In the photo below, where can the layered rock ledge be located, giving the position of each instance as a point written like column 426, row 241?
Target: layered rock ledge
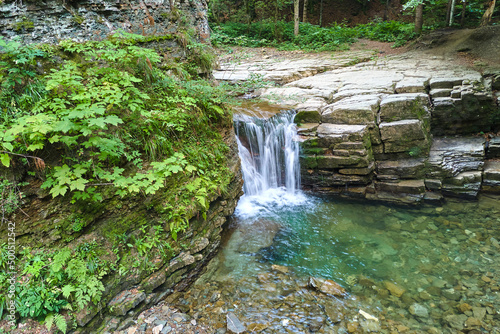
column 405, row 129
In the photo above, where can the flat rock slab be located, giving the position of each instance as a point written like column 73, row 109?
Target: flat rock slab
column 126, row 301
column 451, row 156
column 360, row 109
column 405, row 130
column 286, row 70
column 402, row 187
column 405, row 169
column 374, row 79
column 406, row 136
column 346, row 92
column 412, row 85
column 326, row 129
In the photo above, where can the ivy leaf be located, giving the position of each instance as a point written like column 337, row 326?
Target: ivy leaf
column 5, row 159
column 58, row 190
column 99, row 122
column 78, row 184
column 64, row 126
column 8, row 146
column 114, row 120
column 34, row 147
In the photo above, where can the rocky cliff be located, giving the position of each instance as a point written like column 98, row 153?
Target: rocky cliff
column 127, row 243
column 39, row 21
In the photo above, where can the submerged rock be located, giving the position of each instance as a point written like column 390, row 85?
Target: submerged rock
column 419, row 310
column 394, row 289
column 234, row 324
column 327, row 286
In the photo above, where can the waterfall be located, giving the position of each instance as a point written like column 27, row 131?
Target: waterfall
column 268, row 152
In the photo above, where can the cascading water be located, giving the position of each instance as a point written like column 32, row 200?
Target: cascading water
column 268, row 153
column 269, row 157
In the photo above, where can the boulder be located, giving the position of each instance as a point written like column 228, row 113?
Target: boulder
column 307, row 116
column 456, row 321
column 394, row 289
column 419, row 310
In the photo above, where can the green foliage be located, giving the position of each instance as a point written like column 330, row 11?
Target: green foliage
column 10, row 197
column 311, row 37
column 58, row 320
column 117, row 120
column 52, row 281
column 20, row 87
column 114, row 122
column 387, row 31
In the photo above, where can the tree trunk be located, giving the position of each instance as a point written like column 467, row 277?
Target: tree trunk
column 321, row 13
column 386, row 10
column 172, row 4
column 462, row 18
column 304, row 12
column 488, row 13
column 296, row 9
column 452, row 12
column 448, row 11
column 419, row 18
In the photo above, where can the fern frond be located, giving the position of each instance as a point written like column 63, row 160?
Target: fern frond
column 49, row 320
column 60, row 323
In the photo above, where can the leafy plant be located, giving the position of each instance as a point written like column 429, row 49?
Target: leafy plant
column 53, row 281
column 58, row 320
column 311, row 37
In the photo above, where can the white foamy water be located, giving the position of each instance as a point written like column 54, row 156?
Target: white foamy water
column 269, row 156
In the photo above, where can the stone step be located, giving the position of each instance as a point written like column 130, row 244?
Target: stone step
column 405, row 169
column 451, row 156
column 359, row 109
column 493, row 148
column 491, row 176
column 464, row 185
column 399, row 107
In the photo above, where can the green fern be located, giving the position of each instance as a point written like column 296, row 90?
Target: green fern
column 58, row 320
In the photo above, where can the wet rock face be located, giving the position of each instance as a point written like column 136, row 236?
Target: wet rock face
column 50, row 21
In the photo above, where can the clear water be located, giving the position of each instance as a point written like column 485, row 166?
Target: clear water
column 416, row 269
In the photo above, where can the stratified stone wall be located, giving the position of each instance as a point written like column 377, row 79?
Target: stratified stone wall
column 404, row 129
column 398, row 138
column 49, row 21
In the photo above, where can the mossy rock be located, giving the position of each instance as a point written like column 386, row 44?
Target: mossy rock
column 307, row 116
